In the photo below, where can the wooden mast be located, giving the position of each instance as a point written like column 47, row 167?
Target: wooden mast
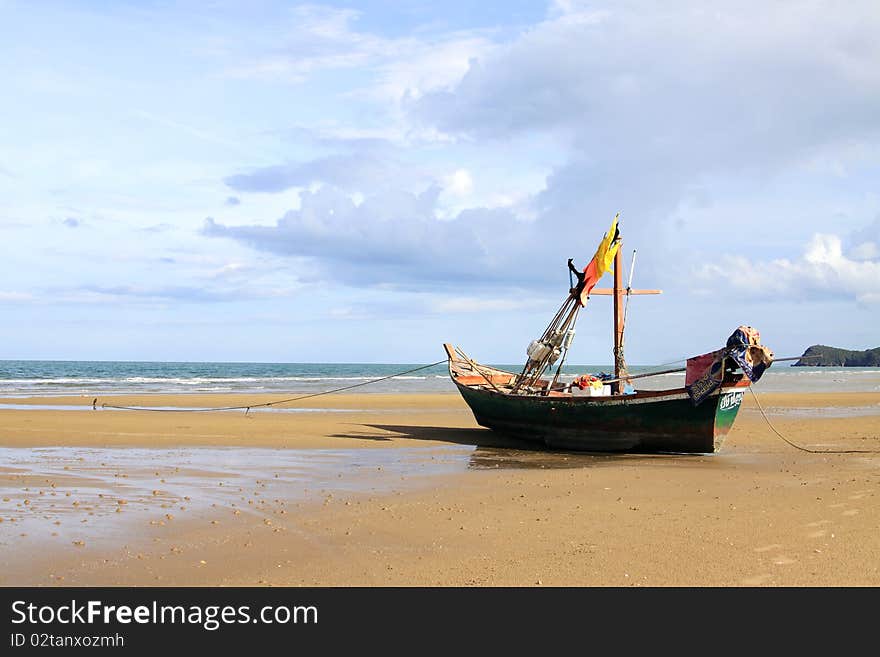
column 619, row 367
column 565, row 318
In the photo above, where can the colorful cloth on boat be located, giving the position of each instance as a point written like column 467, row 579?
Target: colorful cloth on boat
column 703, row 375
column 588, row 381
column 745, row 348
column 601, row 261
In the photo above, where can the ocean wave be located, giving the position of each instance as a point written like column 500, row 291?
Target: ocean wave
column 29, row 378
column 199, row 380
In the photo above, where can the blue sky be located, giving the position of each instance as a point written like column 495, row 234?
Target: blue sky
column 364, row 181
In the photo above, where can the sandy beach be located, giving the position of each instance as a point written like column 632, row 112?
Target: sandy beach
column 405, row 489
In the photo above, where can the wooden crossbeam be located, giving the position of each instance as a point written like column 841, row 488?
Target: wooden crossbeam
column 607, row 291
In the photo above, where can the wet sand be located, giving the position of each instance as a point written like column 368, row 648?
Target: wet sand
column 407, row 490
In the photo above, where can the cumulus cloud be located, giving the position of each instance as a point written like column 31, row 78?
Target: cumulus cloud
column 395, row 238
column 865, row 251
column 459, row 183
column 822, row 272
column 717, row 83
column 648, row 100
column 643, row 104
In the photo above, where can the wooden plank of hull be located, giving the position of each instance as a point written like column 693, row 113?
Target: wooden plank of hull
column 479, row 379
column 659, row 422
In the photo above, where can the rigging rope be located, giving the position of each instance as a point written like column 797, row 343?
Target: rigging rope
column 247, row 408
column 807, row 449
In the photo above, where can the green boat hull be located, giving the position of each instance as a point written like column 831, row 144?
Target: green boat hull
column 647, row 422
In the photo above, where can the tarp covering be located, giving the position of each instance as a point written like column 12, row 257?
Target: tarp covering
column 704, row 373
column 745, row 348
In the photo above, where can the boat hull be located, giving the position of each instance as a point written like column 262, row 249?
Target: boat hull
column 649, row 422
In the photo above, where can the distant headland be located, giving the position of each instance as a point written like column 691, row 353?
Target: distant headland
column 820, row 355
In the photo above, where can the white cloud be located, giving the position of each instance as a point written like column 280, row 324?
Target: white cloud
column 459, row 183
column 680, row 85
column 628, row 108
column 822, row 272
column 865, row 251
column 398, row 239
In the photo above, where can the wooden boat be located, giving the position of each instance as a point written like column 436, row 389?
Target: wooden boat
column 536, row 408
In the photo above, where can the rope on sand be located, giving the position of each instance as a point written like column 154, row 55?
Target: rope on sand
column 247, row 408
column 807, row 449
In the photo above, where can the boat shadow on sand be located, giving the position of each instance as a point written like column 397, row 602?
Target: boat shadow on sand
column 496, row 451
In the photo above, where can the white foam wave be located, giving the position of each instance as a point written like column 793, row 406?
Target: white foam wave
column 197, row 380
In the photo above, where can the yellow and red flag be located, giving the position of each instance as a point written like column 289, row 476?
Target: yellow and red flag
column 601, row 262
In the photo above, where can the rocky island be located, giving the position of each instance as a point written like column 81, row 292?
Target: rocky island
column 820, row 355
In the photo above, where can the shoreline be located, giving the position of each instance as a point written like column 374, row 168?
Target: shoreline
column 350, row 420
column 406, row 489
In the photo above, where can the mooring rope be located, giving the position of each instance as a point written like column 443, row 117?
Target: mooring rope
column 807, row 449
column 248, row 407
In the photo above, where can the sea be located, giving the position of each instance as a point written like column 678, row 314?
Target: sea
column 25, row 378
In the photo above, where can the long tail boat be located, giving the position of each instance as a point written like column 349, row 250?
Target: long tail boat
column 614, row 416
